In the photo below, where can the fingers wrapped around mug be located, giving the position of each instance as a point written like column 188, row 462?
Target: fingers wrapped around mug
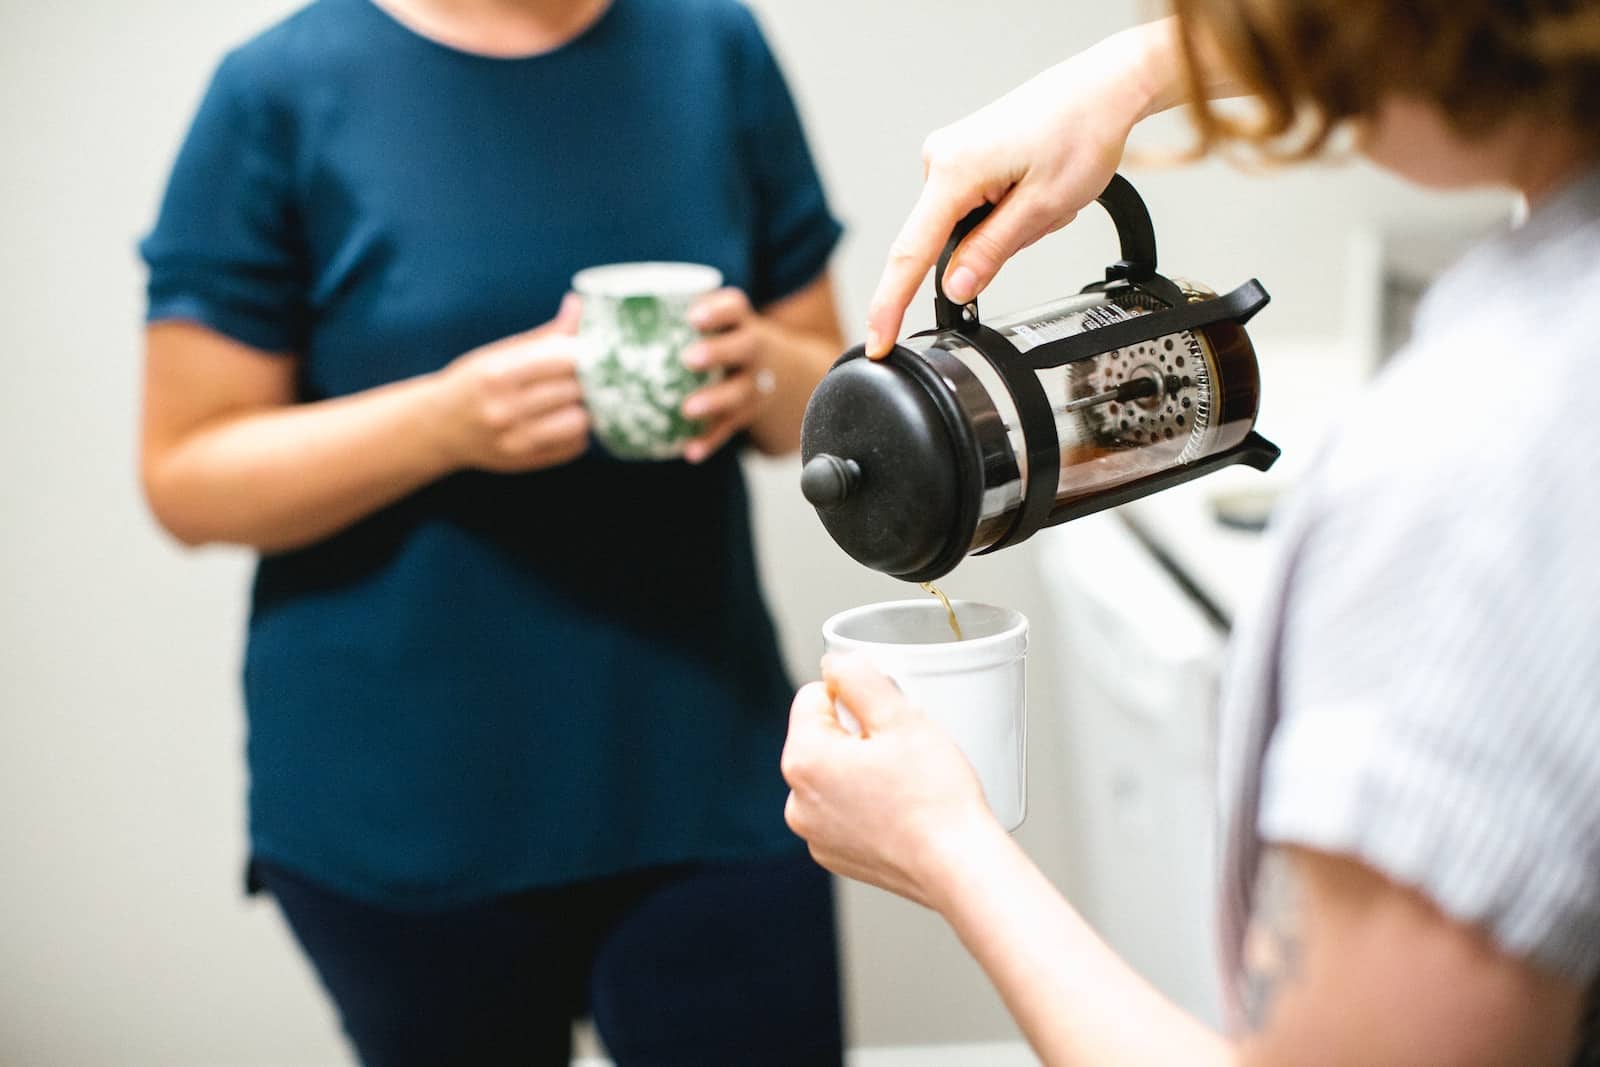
column 734, row 342
column 888, row 804
column 515, row 404
column 717, row 312
column 725, row 407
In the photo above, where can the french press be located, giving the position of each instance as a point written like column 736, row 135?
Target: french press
column 974, row 435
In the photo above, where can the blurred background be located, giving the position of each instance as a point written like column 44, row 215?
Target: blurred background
column 124, row 936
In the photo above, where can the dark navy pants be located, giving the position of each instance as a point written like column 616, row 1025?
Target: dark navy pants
column 704, row 965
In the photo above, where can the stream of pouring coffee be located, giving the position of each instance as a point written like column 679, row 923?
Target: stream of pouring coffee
column 955, row 626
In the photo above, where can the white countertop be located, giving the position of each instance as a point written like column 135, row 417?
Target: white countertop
column 994, row 1054
column 1304, row 388
column 999, row 1054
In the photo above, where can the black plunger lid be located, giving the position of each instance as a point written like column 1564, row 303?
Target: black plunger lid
column 891, row 466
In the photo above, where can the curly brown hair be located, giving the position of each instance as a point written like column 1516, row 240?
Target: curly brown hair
column 1316, row 66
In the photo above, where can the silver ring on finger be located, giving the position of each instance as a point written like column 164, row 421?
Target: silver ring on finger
column 766, row 381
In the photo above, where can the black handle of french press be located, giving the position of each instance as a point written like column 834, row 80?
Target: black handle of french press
column 947, row 314
column 1135, row 232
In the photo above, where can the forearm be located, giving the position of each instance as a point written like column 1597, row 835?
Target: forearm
column 284, row 477
column 1076, row 1001
column 1152, row 54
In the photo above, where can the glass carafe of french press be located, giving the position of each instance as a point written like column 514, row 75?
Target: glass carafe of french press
column 976, row 434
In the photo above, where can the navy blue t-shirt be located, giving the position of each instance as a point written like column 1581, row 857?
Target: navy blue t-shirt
column 502, row 681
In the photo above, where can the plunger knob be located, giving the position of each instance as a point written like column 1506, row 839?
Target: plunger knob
column 827, row 481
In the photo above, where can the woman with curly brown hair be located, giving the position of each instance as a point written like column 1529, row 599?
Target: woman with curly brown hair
column 1411, row 723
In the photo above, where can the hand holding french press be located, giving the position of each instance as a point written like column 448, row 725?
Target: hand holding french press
column 1040, row 154
column 978, row 433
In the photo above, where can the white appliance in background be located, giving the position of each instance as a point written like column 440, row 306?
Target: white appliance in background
column 1138, row 666
column 1144, row 597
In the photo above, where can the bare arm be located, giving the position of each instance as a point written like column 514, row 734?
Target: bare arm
column 1075, row 999
column 806, row 341
column 1347, row 963
column 1161, row 68
column 1347, row 968
column 227, row 455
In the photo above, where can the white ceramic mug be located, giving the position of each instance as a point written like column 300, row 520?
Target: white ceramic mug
column 976, row 689
column 632, row 334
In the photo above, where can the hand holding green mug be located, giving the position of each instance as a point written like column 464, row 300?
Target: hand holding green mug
column 633, row 333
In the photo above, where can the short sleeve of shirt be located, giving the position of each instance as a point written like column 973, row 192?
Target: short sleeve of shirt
column 1440, row 684
column 225, row 251
column 795, row 232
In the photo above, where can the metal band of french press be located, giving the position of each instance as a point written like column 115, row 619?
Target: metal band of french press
column 1039, row 439
column 968, row 473
column 1038, row 421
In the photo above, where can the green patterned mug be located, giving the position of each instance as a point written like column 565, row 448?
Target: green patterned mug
column 632, row 335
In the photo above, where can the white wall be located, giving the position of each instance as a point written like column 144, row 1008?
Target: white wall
column 124, row 939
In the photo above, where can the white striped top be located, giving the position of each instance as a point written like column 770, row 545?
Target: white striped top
column 1420, row 687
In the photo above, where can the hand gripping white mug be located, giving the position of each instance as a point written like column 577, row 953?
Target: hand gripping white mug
column 976, row 688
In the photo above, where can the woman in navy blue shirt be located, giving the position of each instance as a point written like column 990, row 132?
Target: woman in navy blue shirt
column 515, row 707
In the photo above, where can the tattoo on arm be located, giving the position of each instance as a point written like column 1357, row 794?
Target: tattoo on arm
column 1273, row 948
column 1588, row 1054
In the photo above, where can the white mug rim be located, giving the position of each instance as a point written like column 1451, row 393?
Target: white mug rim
column 1016, row 627
column 665, row 278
